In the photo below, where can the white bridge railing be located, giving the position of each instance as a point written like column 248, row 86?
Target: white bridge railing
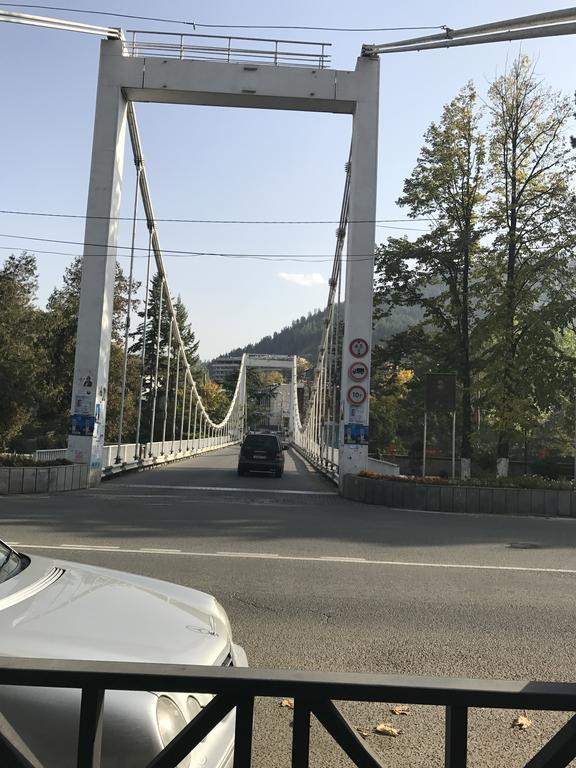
column 132, row 456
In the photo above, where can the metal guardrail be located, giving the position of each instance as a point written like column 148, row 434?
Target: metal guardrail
column 50, row 454
column 160, row 452
column 322, row 463
column 132, row 455
column 313, row 693
column 173, row 45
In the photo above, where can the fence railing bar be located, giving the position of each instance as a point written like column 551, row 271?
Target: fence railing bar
column 90, row 728
column 196, row 730
column 301, row 735
column 456, row 737
column 243, row 733
column 14, row 752
column 339, row 728
column 559, row 751
column 313, row 685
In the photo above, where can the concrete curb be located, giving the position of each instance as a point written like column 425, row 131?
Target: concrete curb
column 18, row 480
column 459, row 498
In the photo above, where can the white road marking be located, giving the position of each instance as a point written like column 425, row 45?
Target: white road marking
column 304, row 558
column 89, row 547
column 265, row 555
column 159, row 551
column 216, row 488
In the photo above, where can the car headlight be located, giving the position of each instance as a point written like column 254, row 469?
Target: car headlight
column 193, row 707
column 170, row 722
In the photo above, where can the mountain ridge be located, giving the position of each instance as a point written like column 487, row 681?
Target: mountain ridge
column 302, row 336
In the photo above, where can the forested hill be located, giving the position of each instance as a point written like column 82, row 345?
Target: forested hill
column 302, row 337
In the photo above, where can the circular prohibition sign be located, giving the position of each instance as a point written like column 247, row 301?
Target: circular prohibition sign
column 358, row 347
column 357, row 395
column 358, row 371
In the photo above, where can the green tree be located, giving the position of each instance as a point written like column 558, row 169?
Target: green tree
column 161, row 345
column 21, row 356
column 58, row 339
column 528, row 274
column 215, row 398
column 435, row 272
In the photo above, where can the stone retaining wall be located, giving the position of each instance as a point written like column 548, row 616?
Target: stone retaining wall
column 69, row 477
column 455, row 498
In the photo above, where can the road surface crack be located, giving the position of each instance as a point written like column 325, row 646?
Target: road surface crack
column 253, row 604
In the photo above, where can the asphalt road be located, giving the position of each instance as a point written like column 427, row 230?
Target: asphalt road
column 337, row 586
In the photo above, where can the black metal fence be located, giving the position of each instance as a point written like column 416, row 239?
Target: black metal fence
column 313, row 694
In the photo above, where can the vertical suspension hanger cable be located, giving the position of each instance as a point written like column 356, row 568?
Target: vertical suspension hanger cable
column 322, row 406
column 143, row 355
column 167, row 385
column 128, row 313
column 183, row 409
column 337, row 383
column 206, row 426
column 189, row 419
column 158, row 344
column 175, row 400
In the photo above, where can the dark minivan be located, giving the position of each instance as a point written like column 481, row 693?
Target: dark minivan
column 261, row 453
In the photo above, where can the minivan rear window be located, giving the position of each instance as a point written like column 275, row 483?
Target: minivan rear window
column 262, row 442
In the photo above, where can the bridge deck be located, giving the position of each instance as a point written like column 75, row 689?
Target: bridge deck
column 218, row 469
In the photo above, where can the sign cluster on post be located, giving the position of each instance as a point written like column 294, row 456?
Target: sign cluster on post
column 356, row 427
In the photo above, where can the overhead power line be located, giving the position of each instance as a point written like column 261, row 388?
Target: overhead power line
column 201, row 25
column 318, row 257
column 378, row 222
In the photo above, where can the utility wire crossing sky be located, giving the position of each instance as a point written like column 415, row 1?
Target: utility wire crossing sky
column 252, row 187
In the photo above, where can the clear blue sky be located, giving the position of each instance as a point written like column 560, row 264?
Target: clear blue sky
column 208, row 163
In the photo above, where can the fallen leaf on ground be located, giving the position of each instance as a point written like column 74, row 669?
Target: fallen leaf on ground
column 287, row 703
column 400, row 709
column 522, row 722
column 385, row 729
column 363, row 732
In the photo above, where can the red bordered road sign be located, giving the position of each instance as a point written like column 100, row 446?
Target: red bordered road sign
column 357, row 395
column 358, row 371
column 358, row 347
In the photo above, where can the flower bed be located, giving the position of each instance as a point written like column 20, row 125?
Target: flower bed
column 525, row 481
column 440, row 495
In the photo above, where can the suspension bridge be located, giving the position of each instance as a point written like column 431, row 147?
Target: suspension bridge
column 138, row 66
column 331, row 427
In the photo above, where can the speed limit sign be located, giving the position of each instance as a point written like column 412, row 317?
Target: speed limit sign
column 357, row 394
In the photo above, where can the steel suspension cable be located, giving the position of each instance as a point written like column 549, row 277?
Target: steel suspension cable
column 149, row 214
column 128, row 312
column 158, row 343
column 167, row 385
column 314, row 431
column 175, row 401
column 143, row 356
column 189, row 419
column 194, row 438
column 183, row 409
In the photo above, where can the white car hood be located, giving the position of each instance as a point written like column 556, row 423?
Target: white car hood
column 93, row 613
